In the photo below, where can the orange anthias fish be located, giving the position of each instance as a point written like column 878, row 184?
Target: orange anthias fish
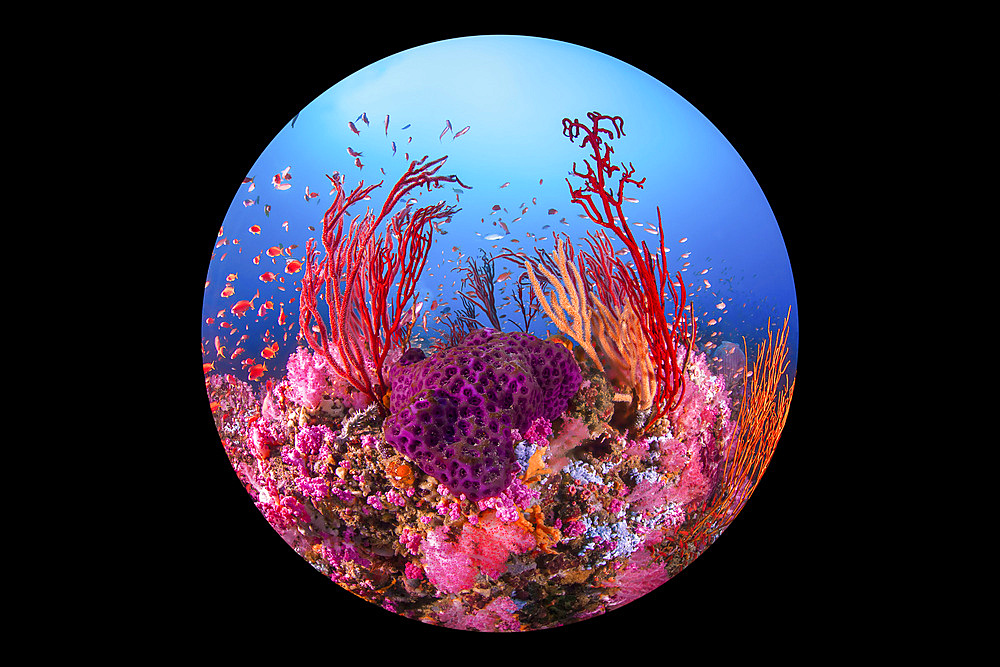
column 228, row 291
column 278, row 183
column 219, row 348
column 268, row 277
column 241, row 307
column 562, row 340
column 255, row 229
column 270, row 351
column 208, row 367
column 293, row 266
column 256, row 371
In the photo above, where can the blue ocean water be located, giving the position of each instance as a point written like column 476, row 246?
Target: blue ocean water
column 512, row 94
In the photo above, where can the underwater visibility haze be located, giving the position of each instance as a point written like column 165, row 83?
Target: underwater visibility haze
column 499, row 333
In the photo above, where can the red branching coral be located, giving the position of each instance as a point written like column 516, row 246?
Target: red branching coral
column 648, row 284
column 360, row 271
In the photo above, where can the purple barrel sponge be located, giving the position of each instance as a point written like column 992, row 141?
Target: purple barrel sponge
column 452, row 413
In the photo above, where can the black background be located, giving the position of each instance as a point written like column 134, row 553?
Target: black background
column 206, row 566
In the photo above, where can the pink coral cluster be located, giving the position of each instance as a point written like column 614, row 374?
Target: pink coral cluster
column 573, row 432
column 260, row 440
column 705, row 400
column 539, row 431
column 308, row 377
column 411, row 540
column 497, row 616
column 310, row 443
column 511, row 501
column 452, row 566
column 310, row 381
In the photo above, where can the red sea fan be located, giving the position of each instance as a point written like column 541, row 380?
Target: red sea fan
column 368, row 279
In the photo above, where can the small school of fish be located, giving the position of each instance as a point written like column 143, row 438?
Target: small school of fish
column 284, row 264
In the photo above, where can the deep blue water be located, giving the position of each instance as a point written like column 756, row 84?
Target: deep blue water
column 512, row 93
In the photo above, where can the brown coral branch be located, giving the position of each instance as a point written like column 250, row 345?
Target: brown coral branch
column 620, row 337
column 571, row 298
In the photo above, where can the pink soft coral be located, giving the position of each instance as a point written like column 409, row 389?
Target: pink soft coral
column 445, row 564
column 539, row 431
column 308, row 377
column 485, row 547
column 694, row 484
column 640, row 576
column 497, row 616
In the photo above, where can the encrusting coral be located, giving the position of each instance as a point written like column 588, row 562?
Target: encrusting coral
column 452, row 413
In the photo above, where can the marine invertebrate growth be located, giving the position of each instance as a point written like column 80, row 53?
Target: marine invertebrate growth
column 366, row 279
column 762, row 416
column 649, row 283
column 526, row 300
column 763, row 412
column 452, row 413
column 481, row 288
column 570, row 289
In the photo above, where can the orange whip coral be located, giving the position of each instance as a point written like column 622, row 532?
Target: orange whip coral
column 763, row 411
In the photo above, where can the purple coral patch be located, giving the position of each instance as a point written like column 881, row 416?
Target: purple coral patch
column 452, row 413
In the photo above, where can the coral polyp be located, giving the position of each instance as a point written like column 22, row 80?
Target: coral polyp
column 550, row 427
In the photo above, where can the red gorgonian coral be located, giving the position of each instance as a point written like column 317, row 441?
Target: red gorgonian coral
column 646, row 284
column 359, row 271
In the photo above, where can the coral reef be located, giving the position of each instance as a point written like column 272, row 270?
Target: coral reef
column 589, row 518
column 503, row 482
